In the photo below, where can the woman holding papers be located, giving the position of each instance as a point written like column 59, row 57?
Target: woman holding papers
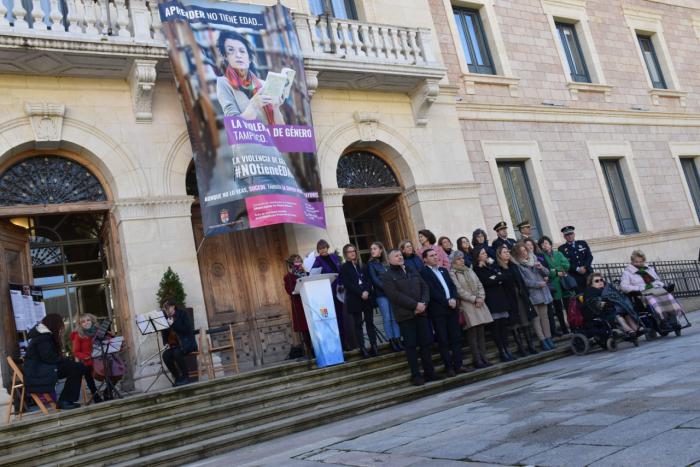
column 239, row 90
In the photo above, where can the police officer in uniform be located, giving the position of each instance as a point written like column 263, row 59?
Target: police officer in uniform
column 525, row 229
column 502, row 231
column 579, row 256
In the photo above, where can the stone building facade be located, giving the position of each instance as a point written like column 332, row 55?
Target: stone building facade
column 393, row 92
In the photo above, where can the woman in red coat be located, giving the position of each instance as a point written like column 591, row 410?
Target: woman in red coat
column 81, row 348
column 296, row 271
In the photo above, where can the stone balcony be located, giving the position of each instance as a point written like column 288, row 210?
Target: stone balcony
column 123, row 39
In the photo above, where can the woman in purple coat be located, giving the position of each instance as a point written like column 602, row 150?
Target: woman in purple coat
column 330, row 264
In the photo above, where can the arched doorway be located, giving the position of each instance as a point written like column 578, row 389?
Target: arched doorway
column 56, row 233
column 242, row 281
column 373, row 203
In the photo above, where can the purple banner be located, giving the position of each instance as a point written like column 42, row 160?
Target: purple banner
column 247, row 108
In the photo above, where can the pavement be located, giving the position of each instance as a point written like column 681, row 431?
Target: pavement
column 634, row 407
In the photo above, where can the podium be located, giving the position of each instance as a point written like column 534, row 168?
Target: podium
column 319, row 310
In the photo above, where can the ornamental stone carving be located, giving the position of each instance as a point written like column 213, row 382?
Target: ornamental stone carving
column 47, row 123
column 311, row 81
column 422, row 98
column 142, row 79
column 367, row 125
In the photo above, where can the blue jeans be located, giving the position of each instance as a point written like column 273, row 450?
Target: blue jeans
column 391, row 329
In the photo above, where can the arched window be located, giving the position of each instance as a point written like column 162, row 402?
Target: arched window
column 362, row 169
column 49, row 180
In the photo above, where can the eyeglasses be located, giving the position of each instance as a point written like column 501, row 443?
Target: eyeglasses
column 598, row 281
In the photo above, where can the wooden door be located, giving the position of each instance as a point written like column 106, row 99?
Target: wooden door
column 242, row 279
column 15, row 267
column 394, row 224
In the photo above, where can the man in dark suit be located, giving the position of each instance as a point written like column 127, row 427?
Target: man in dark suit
column 579, row 255
column 501, row 230
column 408, row 295
column 443, row 311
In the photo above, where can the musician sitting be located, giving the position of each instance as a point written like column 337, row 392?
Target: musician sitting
column 45, row 364
column 81, row 340
column 180, row 341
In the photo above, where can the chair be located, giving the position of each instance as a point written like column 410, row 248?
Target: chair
column 200, row 365
column 18, row 386
column 226, row 333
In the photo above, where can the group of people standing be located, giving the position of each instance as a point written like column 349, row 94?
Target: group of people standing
column 433, row 292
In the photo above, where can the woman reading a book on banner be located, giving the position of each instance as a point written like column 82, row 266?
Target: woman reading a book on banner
column 239, row 90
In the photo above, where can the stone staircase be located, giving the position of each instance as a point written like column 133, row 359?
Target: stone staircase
column 179, row 425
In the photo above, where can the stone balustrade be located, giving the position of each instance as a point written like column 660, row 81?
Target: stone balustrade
column 117, row 20
column 324, row 36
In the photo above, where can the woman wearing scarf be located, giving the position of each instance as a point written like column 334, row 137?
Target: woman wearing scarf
column 330, row 264
column 238, row 90
column 296, row 271
column 81, row 348
column 535, row 277
column 640, row 278
column 472, row 304
column 604, row 301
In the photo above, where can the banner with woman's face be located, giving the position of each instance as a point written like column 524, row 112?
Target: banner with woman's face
column 240, row 74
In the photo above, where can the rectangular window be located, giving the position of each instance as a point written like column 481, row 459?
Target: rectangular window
column 521, row 203
column 473, row 39
column 341, row 9
column 619, row 196
column 568, row 41
column 690, row 170
column 652, row 62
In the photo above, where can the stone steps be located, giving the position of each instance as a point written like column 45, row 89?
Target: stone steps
column 266, row 403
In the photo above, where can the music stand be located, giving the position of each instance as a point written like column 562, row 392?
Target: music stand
column 152, row 323
column 105, row 348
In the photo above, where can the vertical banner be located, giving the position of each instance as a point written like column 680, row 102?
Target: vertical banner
column 240, row 74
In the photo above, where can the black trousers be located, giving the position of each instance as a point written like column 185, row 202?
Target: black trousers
column 560, row 307
column 174, row 359
column 73, row 373
column 415, row 334
column 89, row 380
column 499, row 331
column 449, row 340
column 368, row 317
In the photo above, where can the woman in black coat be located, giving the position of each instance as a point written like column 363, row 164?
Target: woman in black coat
column 358, row 298
column 496, row 299
column 519, row 298
column 45, row 363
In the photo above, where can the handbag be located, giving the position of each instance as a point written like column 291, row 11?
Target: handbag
column 568, row 282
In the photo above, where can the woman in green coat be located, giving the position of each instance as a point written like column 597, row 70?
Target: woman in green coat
column 558, row 266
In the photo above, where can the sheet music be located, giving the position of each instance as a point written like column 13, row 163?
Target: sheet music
column 152, row 321
column 111, row 345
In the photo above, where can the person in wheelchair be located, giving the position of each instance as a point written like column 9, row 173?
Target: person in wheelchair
column 604, row 301
column 640, row 279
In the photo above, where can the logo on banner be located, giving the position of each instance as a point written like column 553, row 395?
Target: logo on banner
column 324, row 312
column 223, row 216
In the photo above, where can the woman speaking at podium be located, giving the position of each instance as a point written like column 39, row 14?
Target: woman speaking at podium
column 180, row 341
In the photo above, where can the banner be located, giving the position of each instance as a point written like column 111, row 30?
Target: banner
column 240, row 74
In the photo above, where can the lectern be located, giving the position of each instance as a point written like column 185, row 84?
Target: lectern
column 319, row 310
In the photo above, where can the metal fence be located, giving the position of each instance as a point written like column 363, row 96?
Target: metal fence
column 685, row 274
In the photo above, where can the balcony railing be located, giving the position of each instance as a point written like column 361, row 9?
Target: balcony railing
column 358, row 40
column 113, row 20
column 397, row 57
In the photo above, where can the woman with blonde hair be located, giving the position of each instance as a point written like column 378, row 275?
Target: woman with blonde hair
column 81, row 348
column 640, row 278
column 472, row 304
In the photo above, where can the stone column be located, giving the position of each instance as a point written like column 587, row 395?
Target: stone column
column 302, row 239
column 155, row 233
column 451, row 209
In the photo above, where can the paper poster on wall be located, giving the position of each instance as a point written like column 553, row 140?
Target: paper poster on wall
column 27, row 305
column 240, row 75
